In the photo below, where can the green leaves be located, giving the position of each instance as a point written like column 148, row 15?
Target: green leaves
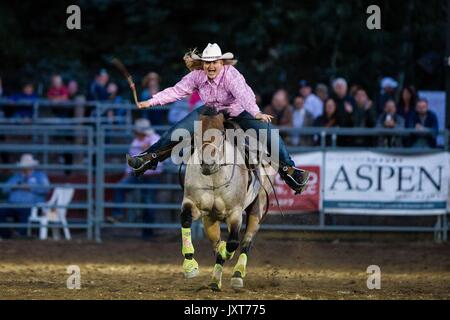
column 276, row 42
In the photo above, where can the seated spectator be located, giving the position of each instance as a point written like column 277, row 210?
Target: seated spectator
column 151, row 85
column 58, row 93
column 301, row 118
column 75, row 96
column 280, row 109
column 115, row 115
column 390, row 119
column 27, row 96
column 97, row 89
column 327, row 120
column 73, row 90
column 422, row 120
column 407, row 103
column 27, row 187
column 312, row 102
column 388, row 89
column 322, row 92
column 353, row 88
column 344, row 102
column 144, row 137
column 362, row 116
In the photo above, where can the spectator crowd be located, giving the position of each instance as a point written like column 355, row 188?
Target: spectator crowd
column 339, row 105
column 336, row 106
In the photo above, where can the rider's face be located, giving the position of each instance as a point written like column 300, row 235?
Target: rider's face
column 213, row 68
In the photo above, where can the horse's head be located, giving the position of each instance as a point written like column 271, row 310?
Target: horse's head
column 212, row 140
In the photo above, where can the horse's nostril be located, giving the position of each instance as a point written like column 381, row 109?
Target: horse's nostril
column 208, row 169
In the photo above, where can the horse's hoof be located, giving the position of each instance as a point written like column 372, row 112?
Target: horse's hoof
column 190, row 268
column 236, row 281
column 191, row 274
column 214, row 286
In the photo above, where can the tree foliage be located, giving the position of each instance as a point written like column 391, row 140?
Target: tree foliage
column 277, row 42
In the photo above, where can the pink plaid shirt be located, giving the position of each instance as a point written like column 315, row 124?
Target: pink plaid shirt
column 228, row 91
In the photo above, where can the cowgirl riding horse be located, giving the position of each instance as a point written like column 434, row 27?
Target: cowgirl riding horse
column 221, row 86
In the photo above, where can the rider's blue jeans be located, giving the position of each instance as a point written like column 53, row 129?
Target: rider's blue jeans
column 245, row 120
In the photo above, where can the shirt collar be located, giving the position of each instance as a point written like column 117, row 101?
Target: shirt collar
column 217, row 79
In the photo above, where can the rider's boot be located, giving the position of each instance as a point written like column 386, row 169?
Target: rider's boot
column 295, row 178
column 143, row 162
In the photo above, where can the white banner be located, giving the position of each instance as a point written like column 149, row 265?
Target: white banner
column 359, row 182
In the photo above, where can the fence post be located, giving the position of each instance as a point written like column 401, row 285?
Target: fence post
column 35, row 111
column 90, row 153
column 99, row 174
column 323, row 143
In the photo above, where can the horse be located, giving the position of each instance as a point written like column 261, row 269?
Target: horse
column 220, row 190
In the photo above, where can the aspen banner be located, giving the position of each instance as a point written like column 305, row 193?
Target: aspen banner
column 374, row 183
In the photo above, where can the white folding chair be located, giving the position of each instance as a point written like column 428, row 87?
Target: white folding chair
column 61, row 197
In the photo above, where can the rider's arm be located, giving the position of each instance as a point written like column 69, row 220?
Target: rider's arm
column 179, row 91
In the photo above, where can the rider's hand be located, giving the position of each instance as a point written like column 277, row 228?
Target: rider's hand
column 144, row 104
column 264, row 117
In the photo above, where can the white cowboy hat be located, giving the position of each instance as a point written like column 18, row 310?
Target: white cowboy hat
column 212, row 52
column 143, row 126
column 27, row 161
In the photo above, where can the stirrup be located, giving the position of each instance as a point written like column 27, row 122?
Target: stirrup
column 298, row 185
column 140, row 164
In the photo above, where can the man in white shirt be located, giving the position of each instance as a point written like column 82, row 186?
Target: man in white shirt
column 313, row 104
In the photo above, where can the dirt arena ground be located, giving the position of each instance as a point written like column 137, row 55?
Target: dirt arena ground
column 279, row 268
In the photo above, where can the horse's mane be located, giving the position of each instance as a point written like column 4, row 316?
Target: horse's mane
column 210, row 111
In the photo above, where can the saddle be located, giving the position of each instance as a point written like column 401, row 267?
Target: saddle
column 230, row 124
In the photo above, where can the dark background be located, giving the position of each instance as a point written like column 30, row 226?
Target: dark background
column 277, row 42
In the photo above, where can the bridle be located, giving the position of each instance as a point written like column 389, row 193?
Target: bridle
column 227, row 183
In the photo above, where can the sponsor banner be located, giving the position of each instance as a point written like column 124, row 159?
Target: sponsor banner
column 373, row 183
column 310, row 199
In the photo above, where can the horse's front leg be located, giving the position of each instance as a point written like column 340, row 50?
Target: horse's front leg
column 240, row 269
column 225, row 250
column 254, row 212
column 212, row 231
column 190, row 266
